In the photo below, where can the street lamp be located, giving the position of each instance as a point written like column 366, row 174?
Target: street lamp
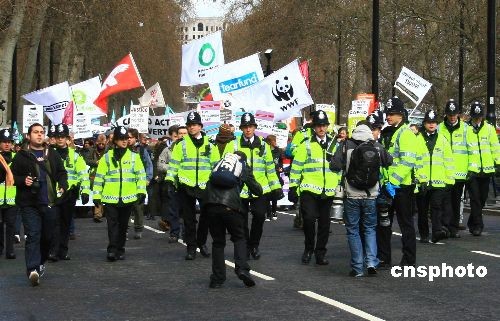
column 268, row 53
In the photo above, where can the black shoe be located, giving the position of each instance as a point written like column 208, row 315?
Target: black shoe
column 111, row 257
column 255, row 253
column 438, row 236
column 190, row 256
column 97, row 219
column 173, row 239
column 246, row 278
column 53, row 258
column 204, row 251
column 322, row 261
column 424, row 239
column 306, row 257
column 446, row 232
column 65, row 257
column 248, row 254
column 476, row 232
column 10, row 256
column 215, row 285
column 355, row 274
column 384, row 265
column 372, row 271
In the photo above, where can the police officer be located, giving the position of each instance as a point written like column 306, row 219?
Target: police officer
column 78, row 179
column 311, row 175
column 260, row 160
column 8, row 208
column 484, row 157
column 120, row 182
column 400, row 142
column 189, row 168
column 455, row 131
column 434, row 175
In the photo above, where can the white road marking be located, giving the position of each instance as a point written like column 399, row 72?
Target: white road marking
column 341, row 306
column 418, row 238
column 286, row 213
column 486, row 253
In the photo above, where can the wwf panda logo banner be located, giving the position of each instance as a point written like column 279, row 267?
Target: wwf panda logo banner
column 282, row 93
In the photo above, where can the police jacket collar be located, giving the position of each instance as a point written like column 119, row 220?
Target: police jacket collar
column 255, row 144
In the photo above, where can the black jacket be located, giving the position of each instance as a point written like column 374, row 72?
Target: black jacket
column 230, row 197
column 23, row 165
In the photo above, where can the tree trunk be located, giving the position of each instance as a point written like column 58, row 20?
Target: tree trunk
column 45, row 58
column 64, row 59
column 7, row 51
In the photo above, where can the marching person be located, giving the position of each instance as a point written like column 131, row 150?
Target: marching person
column 455, row 131
column 39, row 175
column 484, row 158
column 92, row 159
column 78, row 180
column 120, row 183
column 434, row 176
column 8, row 209
column 400, row 142
column 278, row 165
column 225, row 211
column 311, row 175
column 260, row 161
column 189, row 169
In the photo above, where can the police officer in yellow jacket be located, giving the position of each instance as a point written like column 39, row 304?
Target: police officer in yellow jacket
column 455, row 131
column 484, row 157
column 400, row 142
column 435, row 174
column 260, row 161
column 8, row 208
column 189, row 169
column 78, row 180
column 311, row 175
column 120, row 182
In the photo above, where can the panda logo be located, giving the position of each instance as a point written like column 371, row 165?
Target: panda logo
column 283, row 90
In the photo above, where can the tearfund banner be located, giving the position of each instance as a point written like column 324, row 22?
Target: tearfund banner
column 199, row 57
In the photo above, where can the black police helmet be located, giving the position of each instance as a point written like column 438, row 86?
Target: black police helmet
column 476, row 110
column 395, row 106
column 61, row 130
column 451, row 108
column 320, row 118
column 193, row 118
column 247, row 119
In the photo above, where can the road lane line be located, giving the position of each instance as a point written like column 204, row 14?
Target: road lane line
column 285, row 213
column 486, row 253
column 341, row 306
column 257, row 274
column 418, row 238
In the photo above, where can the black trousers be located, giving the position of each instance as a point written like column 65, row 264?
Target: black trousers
column 221, row 218
column 451, row 206
column 402, row 206
column 314, row 208
column 258, row 207
column 60, row 240
column 194, row 237
column 431, row 199
column 8, row 216
column 117, row 218
column 478, row 187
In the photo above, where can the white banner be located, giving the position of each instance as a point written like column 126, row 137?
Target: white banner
column 54, row 100
column 264, row 121
column 139, row 118
column 84, row 94
column 412, row 85
column 199, row 57
column 157, row 125
column 235, row 76
column 82, row 125
column 153, row 97
column 32, row 114
column 281, row 137
column 282, row 93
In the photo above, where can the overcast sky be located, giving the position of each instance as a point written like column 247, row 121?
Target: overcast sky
column 209, row 8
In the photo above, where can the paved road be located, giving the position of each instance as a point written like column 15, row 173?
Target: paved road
column 156, row 283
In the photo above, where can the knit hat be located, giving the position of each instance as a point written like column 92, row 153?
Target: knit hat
column 225, row 131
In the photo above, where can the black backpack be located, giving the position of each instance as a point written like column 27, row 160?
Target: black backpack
column 364, row 166
column 227, row 172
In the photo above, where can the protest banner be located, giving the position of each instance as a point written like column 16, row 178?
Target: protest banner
column 353, row 118
column 412, row 85
column 139, row 118
column 281, row 137
column 32, row 114
column 84, row 93
column 82, row 125
column 264, row 121
column 54, row 100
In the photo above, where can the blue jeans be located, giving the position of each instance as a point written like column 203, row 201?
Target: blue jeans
column 38, row 226
column 364, row 210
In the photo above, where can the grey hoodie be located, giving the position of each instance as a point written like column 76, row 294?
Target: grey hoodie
column 360, row 134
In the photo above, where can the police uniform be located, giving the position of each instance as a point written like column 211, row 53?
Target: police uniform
column 484, row 156
column 189, row 168
column 400, row 142
column 311, row 175
column 78, row 180
column 260, row 160
column 120, row 182
column 8, row 208
column 435, row 174
column 456, row 134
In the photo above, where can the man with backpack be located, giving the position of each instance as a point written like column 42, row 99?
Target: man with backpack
column 311, row 175
column 225, row 210
column 360, row 158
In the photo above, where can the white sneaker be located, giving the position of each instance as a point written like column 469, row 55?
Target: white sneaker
column 18, row 239
column 34, row 278
column 267, row 219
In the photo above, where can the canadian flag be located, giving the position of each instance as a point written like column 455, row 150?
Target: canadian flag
column 123, row 77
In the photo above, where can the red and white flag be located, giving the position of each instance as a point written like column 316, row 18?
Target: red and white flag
column 123, row 77
column 304, row 70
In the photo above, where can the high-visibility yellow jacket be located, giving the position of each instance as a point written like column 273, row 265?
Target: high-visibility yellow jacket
column 483, row 148
column 436, row 168
column 457, row 138
column 77, row 171
column 404, row 153
column 8, row 193
column 122, row 180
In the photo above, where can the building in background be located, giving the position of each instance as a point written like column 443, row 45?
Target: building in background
column 200, row 27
